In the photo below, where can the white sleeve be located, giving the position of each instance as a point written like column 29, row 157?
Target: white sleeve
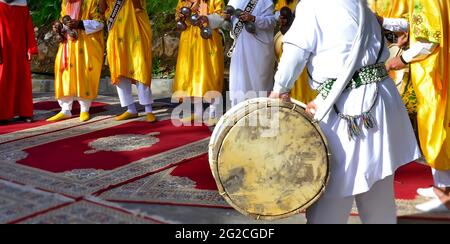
column 277, row 15
column 396, row 25
column 215, row 21
column 92, row 26
column 419, row 51
column 293, row 61
column 266, row 20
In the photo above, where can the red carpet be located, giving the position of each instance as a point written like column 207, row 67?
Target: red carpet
column 197, row 170
column 188, row 184
column 410, row 177
column 70, row 154
column 51, row 106
column 192, row 184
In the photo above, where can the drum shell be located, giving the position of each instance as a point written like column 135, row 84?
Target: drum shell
column 220, row 134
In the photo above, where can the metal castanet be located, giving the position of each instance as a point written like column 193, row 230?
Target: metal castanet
column 62, row 29
column 181, row 23
column 226, row 25
column 269, row 160
column 250, row 27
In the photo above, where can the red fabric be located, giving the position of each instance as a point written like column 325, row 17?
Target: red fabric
column 410, row 177
column 197, row 170
column 68, row 154
column 17, row 41
column 96, row 107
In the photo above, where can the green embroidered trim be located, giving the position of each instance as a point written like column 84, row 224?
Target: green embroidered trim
column 366, row 75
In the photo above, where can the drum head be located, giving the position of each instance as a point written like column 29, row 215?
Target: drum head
column 268, row 159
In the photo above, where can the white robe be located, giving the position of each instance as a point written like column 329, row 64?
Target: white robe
column 253, row 59
column 321, row 38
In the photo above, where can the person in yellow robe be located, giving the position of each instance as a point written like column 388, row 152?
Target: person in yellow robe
column 200, row 63
column 129, row 52
column 429, row 56
column 301, row 90
column 79, row 62
column 394, row 10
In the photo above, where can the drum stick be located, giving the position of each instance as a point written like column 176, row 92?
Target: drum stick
column 296, row 102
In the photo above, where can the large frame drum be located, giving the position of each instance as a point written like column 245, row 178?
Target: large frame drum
column 269, row 160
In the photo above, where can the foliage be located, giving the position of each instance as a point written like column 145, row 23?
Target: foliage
column 44, row 11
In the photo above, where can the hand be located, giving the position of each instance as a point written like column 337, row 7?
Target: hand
column 285, row 97
column 73, row 24
column 57, row 27
column 247, row 17
column 403, row 39
column 395, row 64
column 195, row 8
column 311, row 108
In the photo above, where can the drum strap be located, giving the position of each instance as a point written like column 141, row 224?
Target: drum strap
column 237, row 30
column 115, row 12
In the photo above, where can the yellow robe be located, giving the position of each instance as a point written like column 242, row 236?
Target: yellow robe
column 389, row 8
column 302, row 90
column 430, row 21
column 129, row 44
column 397, row 9
column 200, row 63
column 85, row 59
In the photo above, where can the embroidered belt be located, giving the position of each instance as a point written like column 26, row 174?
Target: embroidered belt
column 365, row 76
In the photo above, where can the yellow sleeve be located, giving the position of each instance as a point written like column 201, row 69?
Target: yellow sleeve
column 218, row 7
column 426, row 21
column 179, row 5
column 280, row 5
column 63, row 9
column 94, row 11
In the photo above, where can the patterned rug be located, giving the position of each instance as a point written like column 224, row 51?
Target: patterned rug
column 86, row 212
column 18, row 201
column 87, row 158
column 45, row 109
column 191, row 184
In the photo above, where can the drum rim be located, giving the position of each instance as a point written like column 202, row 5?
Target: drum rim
column 214, row 151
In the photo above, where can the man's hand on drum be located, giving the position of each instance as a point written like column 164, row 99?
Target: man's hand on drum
column 282, row 96
column 395, row 64
column 311, row 108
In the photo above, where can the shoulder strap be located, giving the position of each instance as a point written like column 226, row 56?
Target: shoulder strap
column 115, row 12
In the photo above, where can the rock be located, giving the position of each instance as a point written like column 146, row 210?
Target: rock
column 171, row 44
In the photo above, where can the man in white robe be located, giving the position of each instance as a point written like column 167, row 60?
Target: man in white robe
column 334, row 39
column 253, row 58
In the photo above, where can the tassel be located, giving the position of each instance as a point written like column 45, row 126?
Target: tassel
column 368, row 120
